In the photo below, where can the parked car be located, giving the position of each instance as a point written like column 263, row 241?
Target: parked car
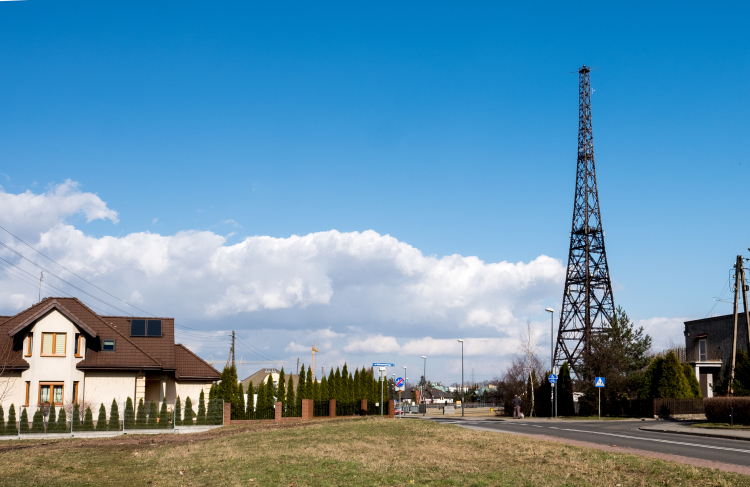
column 398, row 412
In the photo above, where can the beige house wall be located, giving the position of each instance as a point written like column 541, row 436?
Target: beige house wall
column 193, row 390
column 102, row 387
column 13, row 391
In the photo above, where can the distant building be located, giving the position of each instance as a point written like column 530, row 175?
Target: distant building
column 708, row 347
column 262, row 376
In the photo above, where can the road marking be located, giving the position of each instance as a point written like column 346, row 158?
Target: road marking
column 683, row 443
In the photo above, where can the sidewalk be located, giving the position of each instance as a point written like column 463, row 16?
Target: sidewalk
column 683, row 429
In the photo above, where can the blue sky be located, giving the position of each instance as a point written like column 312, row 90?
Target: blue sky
column 450, row 127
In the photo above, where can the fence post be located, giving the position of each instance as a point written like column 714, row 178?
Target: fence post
column 307, row 408
column 390, row 408
column 227, row 414
column 363, row 407
column 332, row 408
column 277, row 412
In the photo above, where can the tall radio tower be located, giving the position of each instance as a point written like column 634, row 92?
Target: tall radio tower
column 587, row 299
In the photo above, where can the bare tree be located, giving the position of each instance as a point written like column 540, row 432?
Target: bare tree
column 529, row 351
column 8, row 377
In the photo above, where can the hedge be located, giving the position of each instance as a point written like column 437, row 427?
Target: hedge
column 717, row 409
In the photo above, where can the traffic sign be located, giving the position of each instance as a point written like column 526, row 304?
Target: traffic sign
column 399, row 382
column 599, row 382
column 552, row 378
column 382, row 365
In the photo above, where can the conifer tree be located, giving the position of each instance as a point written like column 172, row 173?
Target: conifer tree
column 178, row 412
column 673, row 383
column 129, row 414
column 356, row 395
column 37, row 422
column 140, row 419
column 309, row 384
column 270, row 392
column 189, row 414
column 564, row 391
column 11, row 420
column 316, row 390
column 101, row 421
column 323, row 389
column 212, row 392
column 2, row 420
column 281, row 390
column 51, row 419
column 290, row 399
column 694, row 386
column 250, row 407
column 331, row 384
column 114, row 417
column 201, row 409
column 76, row 419
column 344, row 384
column 153, row 414
column 301, row 385
column 164, row 415
column 62, row 420
column 24, row 422
column 238, row 411
column 260, row 407
column 88, row 420
column 227, row 388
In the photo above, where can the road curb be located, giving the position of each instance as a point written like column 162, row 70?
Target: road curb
column 696, row 433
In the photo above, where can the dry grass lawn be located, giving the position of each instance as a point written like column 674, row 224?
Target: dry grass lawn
column 345, row 452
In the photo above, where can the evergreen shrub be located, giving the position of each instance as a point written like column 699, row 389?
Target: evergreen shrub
column 114, row 417
column 153, row 413
column 76, row 419
column 140, row 419
column 164, row 416
column 188, row 414
column 11, row 428
column 101, row 421
column 37, row 422
column 62, row 421
column 88, row 420
column 718, row 408
column 129, row 414
column 24, row 426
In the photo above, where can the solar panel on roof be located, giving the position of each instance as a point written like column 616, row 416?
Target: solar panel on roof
column 154, row 328
column 137, row 328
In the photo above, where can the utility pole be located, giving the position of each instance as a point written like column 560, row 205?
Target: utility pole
column 230, row 357
column 588, row 305
column 740, row 283
column 41, row 278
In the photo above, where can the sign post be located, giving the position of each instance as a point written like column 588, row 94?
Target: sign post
column 553, row 381
column 400, row 385
column 599, row 384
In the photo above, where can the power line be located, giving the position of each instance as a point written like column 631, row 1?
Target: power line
column 63, row 267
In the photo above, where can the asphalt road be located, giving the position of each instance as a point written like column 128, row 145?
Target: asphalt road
column 623, row 434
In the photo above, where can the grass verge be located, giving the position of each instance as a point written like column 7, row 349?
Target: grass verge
column 720, row 426
column 352, row 452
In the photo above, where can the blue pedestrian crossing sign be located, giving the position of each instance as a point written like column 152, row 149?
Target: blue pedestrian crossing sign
column 599, row 382
column 552, row 378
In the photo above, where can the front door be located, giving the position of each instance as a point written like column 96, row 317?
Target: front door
column 704, row 384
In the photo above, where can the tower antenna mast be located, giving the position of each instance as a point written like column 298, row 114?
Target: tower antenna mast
column 588, row 305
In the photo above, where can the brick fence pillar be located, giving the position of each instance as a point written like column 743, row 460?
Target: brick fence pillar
column 307, row 409
column 277, row 411
column 227, row 413
column 390, row 408
column 332, row 408
column 363, row 407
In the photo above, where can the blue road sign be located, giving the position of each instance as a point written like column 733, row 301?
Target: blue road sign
column 382, row 365
column 599, row 382
column 552, row 378
column 400, row 382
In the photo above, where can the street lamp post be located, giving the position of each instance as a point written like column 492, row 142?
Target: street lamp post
column 552, row 359
column 405, row 381
column 463, row 399
column 424, row 384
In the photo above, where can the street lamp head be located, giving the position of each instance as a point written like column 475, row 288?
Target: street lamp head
column 461, row 341
column 549, row 310
column 423, row 356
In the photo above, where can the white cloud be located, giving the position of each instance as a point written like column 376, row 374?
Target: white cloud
column 355, row 293
column 372, row 344
column 664, row 331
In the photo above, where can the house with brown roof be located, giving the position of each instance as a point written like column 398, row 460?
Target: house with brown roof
column 61, row 352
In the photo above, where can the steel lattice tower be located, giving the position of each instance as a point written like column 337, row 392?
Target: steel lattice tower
column 587, row 299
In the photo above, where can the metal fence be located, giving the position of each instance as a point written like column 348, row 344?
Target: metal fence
column 292, row 411
column 321, row 409
column 347, row 408
column 669, row 407
column 373, row 409
column 117, row 418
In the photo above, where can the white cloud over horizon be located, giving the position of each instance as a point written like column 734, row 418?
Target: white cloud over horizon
column 359, row 294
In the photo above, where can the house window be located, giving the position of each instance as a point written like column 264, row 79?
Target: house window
column 28, row 388
column 108, row 345
column 51, row 392
column 77, row 345
column 53, row 344
column 139, row 328
column 29, row 343
column 75, row 392
column 702, row 351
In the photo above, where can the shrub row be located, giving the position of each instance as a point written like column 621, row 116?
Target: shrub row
column 718, row 409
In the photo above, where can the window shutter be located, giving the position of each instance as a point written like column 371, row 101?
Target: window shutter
column 60, row 344
column 47, row 342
